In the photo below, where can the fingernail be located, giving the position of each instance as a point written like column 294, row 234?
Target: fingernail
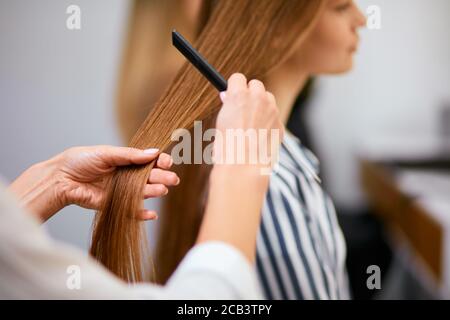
column 222, row 95
column 178, row 181
column 152, row 215
column 151, row 151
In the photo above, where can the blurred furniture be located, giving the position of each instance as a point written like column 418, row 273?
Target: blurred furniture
column 411, row 194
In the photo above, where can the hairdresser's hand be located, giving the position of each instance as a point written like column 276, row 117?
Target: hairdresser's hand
column 237, row 191
column 77, row 176
column 247, row 107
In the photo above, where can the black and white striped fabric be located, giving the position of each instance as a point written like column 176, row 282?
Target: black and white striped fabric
column 300, row 248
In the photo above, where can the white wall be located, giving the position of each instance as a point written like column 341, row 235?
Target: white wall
column 57, row 88
column 400, row 80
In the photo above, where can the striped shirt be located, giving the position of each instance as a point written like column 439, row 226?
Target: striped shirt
column 300, row 247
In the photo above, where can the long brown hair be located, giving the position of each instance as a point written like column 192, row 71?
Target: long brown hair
column 142, row 81
column 248, row 36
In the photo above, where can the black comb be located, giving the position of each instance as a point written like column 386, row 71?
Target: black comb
column 198, row 61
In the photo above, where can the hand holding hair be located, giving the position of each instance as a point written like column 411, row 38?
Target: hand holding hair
column 77, row 176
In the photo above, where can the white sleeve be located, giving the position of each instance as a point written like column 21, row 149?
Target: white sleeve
column 220, row 268
column 33, row 266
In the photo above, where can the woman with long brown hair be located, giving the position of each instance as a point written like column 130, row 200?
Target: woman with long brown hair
column 301, row 251
column 32, row 266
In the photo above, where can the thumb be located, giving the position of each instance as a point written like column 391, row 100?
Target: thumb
column 122, row 156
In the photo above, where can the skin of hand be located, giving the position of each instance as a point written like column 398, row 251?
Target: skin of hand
column 246, row 107
column 77, row 176
column 237, row 191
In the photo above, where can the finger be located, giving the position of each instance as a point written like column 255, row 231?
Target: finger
column 145, row 214
column 165, row 161
column 223, row 96
column 256, row 86
column 236, row 83
column 122, row 156
column 155, row 190
column 167, row 178
column 271, row 98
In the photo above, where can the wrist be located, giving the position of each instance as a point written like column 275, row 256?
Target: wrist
column 233, row 212
column 39, row 189
column 240, row 174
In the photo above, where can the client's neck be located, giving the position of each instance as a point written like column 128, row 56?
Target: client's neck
column 286, row 83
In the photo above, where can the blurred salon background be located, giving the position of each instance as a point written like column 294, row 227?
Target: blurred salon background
column 382, row 132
